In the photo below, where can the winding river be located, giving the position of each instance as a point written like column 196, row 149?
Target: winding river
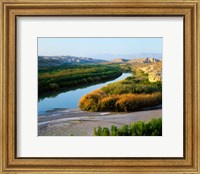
column 71, row 98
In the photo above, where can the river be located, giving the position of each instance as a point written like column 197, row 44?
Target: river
column 70, row 99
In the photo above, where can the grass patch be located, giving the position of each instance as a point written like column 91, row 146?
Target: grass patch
column 140, row 128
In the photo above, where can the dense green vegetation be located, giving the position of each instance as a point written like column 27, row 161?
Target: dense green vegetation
column 125, row 67
column 132, row 94
column 66, row 77
column 140, row 128
column 138, row 83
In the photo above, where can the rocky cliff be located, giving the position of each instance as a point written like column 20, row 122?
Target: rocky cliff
column 154, row 70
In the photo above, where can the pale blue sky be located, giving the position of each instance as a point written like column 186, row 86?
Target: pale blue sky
column 86, row 47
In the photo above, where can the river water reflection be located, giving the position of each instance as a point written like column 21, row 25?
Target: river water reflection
column 71, row 98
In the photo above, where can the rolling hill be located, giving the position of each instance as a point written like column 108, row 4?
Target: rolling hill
column 144, row 60
column 120, row 60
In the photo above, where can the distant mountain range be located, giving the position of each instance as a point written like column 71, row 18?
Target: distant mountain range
column 110, row 57
column 47, row 61
column 139, row 60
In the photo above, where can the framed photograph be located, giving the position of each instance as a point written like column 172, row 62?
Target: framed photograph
column 99, row 86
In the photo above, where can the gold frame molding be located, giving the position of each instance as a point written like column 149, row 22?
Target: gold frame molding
column 10, row 9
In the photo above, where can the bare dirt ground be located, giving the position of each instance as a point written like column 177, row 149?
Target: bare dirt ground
column 74, row 122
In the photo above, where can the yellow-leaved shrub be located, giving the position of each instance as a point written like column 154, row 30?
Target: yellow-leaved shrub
column 99, row 101
column 91, row 101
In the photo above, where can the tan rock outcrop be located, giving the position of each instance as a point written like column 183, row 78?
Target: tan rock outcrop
column 154, row 70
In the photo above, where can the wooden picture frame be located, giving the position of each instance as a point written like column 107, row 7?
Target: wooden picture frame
column 10, row 9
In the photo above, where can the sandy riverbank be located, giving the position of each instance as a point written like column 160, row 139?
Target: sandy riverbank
column 67, row 122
